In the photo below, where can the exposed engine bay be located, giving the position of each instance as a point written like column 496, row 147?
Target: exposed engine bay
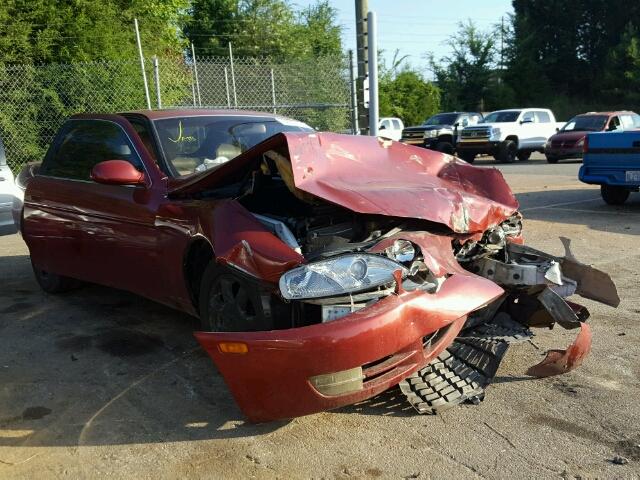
column 350, row 261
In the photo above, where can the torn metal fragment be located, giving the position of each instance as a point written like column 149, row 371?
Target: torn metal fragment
column 558, row 362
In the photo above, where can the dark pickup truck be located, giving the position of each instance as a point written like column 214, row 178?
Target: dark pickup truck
column 439, row 131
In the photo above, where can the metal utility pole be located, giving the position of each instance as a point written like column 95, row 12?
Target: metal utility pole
column 144, row 73
column 373, row 73
column 362, row 7
column 195, row 73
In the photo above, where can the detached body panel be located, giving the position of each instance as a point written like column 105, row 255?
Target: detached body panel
column 273, row 378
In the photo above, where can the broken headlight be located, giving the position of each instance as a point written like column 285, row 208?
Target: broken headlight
column 338, row 276
column 401, row 251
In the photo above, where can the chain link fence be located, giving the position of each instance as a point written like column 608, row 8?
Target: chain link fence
column 36, row 99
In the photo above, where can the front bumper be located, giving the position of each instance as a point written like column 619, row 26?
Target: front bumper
column 563, row 153
column 419, row 142
column 488, row 147
column 271, row 377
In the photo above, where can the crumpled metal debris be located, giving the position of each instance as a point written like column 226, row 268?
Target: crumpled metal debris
column 558, row 362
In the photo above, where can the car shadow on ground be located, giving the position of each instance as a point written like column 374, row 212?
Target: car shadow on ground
column 99, row 366
column 581, row 207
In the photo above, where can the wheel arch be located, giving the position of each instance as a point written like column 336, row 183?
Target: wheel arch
column 197, row 256
column 513, row 138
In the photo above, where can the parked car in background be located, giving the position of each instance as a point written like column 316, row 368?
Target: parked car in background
column 324, row 268
column 390, row 127
column 440, row 131
column 508, row 135
column 612, row 160
column 568, row 142
column 8, row 193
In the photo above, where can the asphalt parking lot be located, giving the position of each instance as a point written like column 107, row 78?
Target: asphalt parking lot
column 100, row 382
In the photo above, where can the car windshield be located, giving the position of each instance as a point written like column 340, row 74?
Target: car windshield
column 501, row 117
column 442, row 119
column 585, row 123
column 195, row 144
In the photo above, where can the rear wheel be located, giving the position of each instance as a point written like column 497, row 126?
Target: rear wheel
column 468, row 157
column 230, row 303
column 507, row 152
column 523, row 156
column 551, row 158
column 52, row 282
column 445, row 147
column 614, row 195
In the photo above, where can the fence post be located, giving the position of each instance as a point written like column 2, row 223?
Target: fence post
column 195, row 71
column 156, row 78
column 354, row 98
column 273, row 92
column 233, row 77
column 372, row 32
column 193, row 88
column 226, row 85
column 144, row 73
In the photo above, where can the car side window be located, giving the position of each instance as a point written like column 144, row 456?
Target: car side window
column 84, row 144
column 396, row 124
column 614, row 123
column 463, row 120
column 542, row 117
column 627, row 122
column 385, row 124
column 528, row 117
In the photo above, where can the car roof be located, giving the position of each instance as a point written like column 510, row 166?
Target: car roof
column 615, row 112
column 197, row 112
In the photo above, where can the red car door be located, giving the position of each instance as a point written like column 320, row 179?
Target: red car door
column 96, row 232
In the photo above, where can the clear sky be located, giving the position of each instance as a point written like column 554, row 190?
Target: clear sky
column 416, row 27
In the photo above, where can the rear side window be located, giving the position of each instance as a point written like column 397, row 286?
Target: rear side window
column 628, row 121
column 396, row 124
column 529, row 116
column 85, row 143
column 542, row 117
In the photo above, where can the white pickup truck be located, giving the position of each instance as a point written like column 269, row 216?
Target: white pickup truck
column 508, row 134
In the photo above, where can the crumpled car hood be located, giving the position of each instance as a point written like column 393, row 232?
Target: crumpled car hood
column 375, row 176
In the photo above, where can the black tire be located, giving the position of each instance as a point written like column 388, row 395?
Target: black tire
column 54, row 283
column 507, row 152
column 551, row 158
column 468, row 157
column 445, row 147
column 230, row 303
column 523, row 155
column 614, row 195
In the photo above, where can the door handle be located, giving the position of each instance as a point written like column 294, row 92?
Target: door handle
column 2, row 179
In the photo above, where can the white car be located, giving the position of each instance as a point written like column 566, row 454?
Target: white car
column 391, row 128
column 508, row 135
column 9, row 192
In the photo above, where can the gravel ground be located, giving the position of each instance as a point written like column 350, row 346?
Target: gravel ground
column 101, row 383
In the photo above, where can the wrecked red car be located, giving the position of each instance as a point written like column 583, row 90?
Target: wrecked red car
column 324, row 268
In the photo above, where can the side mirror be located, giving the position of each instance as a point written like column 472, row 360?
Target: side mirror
column 457, row 124
column 526, row 120
column 382, row 127
column 557, row 129
column 116, row 172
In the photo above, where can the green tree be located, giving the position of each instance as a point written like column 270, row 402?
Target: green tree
column 262, row 28
column 403, row 92
column 572, row 56
column 465, row 77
